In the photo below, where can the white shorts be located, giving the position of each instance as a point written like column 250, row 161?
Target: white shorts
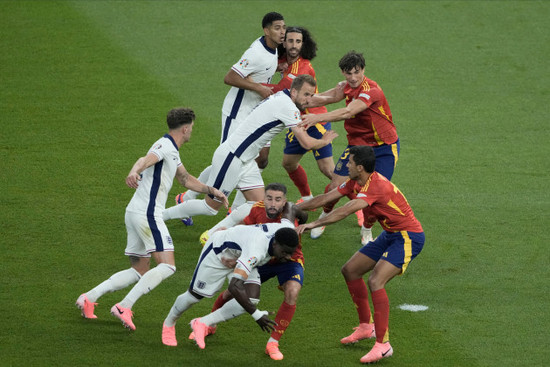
column 146, row 236
column 229, row 172
column 210, row 274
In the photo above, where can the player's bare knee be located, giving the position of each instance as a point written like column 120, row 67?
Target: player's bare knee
column 292, row 290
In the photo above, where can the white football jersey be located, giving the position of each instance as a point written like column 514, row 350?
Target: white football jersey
column 247, row 244
column 156, row 181
column 273, row 115
column 259, row 62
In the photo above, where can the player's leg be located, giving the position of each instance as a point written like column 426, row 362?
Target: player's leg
column 86, row 302
column 251, row 182
column 156, row 239
column 235, row 217
column 353, row 271
column 208, row 278
column 291, row 277
column 401, row 249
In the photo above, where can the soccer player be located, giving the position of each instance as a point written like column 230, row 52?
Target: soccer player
column 233, row 164
column 290, row 274
column 234, row 253
column 247, row 77
column 368, row 121
column 299, row 48
column 152, row 177
column 388, row 255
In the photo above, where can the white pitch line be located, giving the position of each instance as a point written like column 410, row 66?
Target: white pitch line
column 413, row 308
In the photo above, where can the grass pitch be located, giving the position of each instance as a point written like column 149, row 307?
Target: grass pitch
column 85, row 89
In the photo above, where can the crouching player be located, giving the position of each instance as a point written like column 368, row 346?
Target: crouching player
column 388, row 255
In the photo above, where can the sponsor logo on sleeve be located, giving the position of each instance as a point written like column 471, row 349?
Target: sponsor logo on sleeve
column 364, row 95
column 252, row 261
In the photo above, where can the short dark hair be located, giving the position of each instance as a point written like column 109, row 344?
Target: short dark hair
column 275, row 186
column 180, row 116
column 351, row 60
column 287, row 237
column 270, row 18
column 363, row 155
column 299, row 81
column 309, row 46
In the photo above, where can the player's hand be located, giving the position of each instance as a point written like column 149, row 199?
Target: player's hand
column 308, row 121
column 330, row 135
column 266, row 323
column 282, row 66
column 264, row 91
column 133, row 180
column 220, row 196
column 303, row 227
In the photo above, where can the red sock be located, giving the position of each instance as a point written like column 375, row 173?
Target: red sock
column 360, row 297
column 299, row 177
column 283, row 319
column 381, row 314
column 328, row 206
column 220, row 301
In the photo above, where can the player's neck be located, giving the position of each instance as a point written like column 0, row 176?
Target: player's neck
column 363, row 178
column 291, row 61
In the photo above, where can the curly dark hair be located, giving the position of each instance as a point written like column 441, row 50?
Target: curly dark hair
column 179, row 116
column 309, row 46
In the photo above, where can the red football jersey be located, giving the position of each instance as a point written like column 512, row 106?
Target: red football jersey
column 298, row 67
column 258, row 215
column 374, row 125
column 386, row 203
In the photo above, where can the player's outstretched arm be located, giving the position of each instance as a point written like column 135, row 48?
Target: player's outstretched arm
column 192, row 183
column 309, row 143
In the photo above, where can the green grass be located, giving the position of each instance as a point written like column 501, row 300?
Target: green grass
column 84, row 90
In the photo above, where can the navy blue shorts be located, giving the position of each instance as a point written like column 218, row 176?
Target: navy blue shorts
column 290, row 270
column 386, row 158
column 397, row 248
column 292, row 146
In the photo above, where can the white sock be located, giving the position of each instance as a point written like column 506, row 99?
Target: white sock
column 306, row 198
column 236, row 217
column 238, row 201
column 203, row 177
column 188, row 209
column 147, row 283
column 182, row 304
column 117, row 281
column 228, row 311
column 272, row 340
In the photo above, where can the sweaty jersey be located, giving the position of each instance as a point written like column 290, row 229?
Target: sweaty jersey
column 374, row 125
column 298, row 67
column 258, row 215
column 266, row 120
column 386, row 203
column 259, row 62
column 156, row 181
column 249, row 245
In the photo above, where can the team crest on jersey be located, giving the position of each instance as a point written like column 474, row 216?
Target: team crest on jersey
column 169, row 240
column 252, row 261
column 243, row 63
column 201, row 284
